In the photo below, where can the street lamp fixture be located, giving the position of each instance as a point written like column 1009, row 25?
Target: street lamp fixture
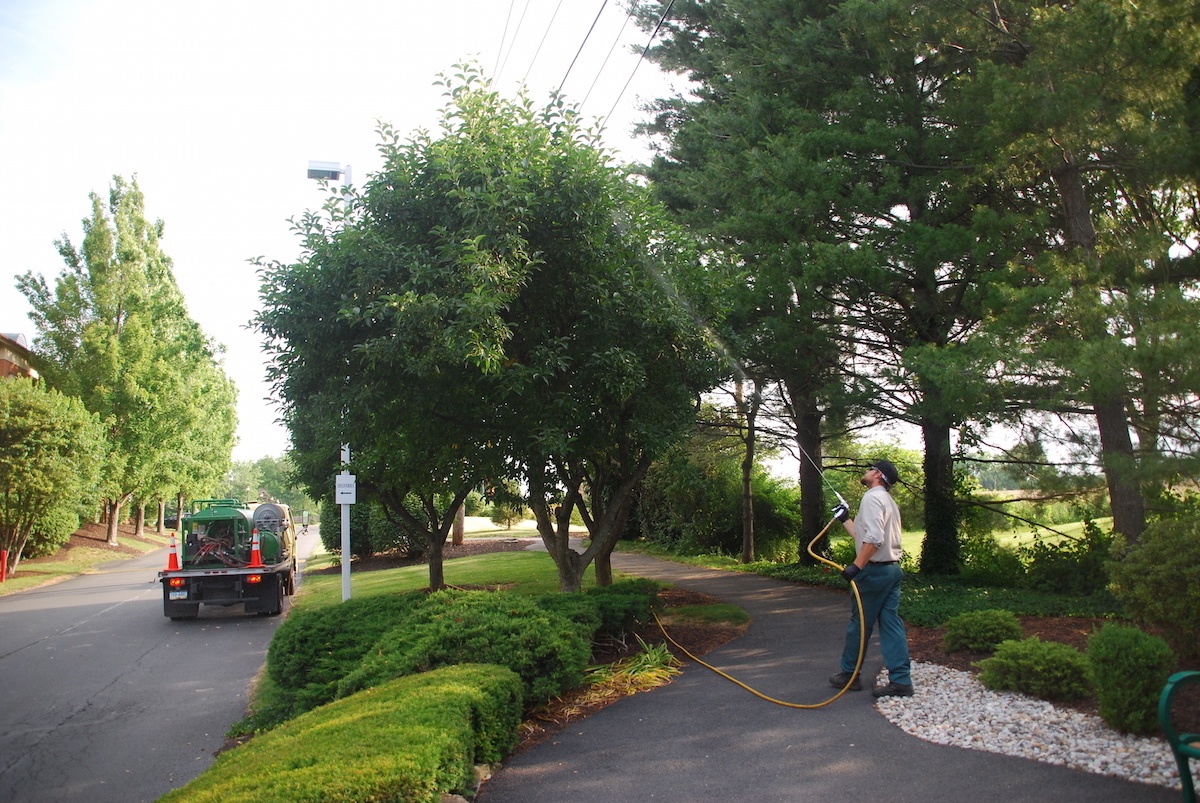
column 329, row 171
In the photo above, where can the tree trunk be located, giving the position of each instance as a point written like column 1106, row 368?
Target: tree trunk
column 749, row 412
column 161, row 526
column 460, row 525
column 940, row 553
column 603, row 564
column 112, row 515
column 807, row 418
column 1116, row 448
column 437, row 568
column 554, row 526
column 570, row 572
column 139, row 520
column 1119, row 460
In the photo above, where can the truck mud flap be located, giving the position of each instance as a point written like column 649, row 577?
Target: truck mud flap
column 269, row 601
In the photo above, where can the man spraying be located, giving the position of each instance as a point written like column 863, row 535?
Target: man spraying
column 876, row 571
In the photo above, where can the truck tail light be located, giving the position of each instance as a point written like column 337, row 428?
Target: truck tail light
column 254, row 578
column 176, row 582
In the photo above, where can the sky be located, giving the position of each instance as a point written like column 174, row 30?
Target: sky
column 217, row 107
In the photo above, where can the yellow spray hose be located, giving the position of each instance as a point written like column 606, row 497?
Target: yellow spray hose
column 862, row 640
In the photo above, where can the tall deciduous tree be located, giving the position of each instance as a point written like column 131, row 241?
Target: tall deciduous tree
column 492, row 307
column 115, row 333
column 50, row 451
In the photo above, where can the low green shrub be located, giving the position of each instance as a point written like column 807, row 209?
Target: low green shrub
column 1069, row 566
column 1129, row 669
column 579, row 609
column 546, row 650
column 1045, row 669
column 316, row 647
column 1158, row 581
column 980, row 631
column 611, row 610
column 624, row 605
column 415, row 739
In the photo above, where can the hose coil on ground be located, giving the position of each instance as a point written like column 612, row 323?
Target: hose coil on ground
column 862, row 640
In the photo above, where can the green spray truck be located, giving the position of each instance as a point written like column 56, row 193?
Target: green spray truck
column 230, row 553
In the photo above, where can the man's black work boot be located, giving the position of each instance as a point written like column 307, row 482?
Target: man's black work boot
column 840, row 680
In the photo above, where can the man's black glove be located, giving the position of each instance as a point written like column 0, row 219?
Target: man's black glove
column 841, row 512
column 851, row 571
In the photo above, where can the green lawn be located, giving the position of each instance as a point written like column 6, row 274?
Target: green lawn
column 522, row 572
column 73, row 562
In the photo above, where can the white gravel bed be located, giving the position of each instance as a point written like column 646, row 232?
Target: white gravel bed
column 953, row 708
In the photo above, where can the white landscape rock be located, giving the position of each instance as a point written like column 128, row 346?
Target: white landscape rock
column 953, row 708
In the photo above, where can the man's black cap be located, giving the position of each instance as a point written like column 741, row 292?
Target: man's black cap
column 888, row 469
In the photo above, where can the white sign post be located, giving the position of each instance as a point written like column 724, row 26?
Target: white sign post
column 345, row 494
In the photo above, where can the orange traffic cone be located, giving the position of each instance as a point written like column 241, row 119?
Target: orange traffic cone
column 256, row 561
column 173, row 556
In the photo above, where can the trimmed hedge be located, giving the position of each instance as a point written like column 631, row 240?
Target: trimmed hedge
column 315, row 647
column 413, row 739
column 453, row 627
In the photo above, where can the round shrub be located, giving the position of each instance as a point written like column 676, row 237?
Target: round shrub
column 1129, row 668
column 1044, row 669
column 1158, row 581
column 980, row 631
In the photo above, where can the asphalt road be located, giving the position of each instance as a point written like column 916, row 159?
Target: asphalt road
column 102, row 698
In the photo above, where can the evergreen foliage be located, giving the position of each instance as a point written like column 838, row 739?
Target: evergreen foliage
column 1044, row 669
column 1129, row 669
column 1158, row 581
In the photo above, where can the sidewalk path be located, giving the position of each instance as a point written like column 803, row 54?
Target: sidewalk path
column 701, row 738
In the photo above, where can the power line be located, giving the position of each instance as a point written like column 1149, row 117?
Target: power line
column 544, row 35
column 604, row 64
column 587, row 36
column 650, row 41
column 500, row 51
column 516, row 33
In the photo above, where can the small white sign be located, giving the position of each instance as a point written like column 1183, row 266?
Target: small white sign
column 345, row 489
